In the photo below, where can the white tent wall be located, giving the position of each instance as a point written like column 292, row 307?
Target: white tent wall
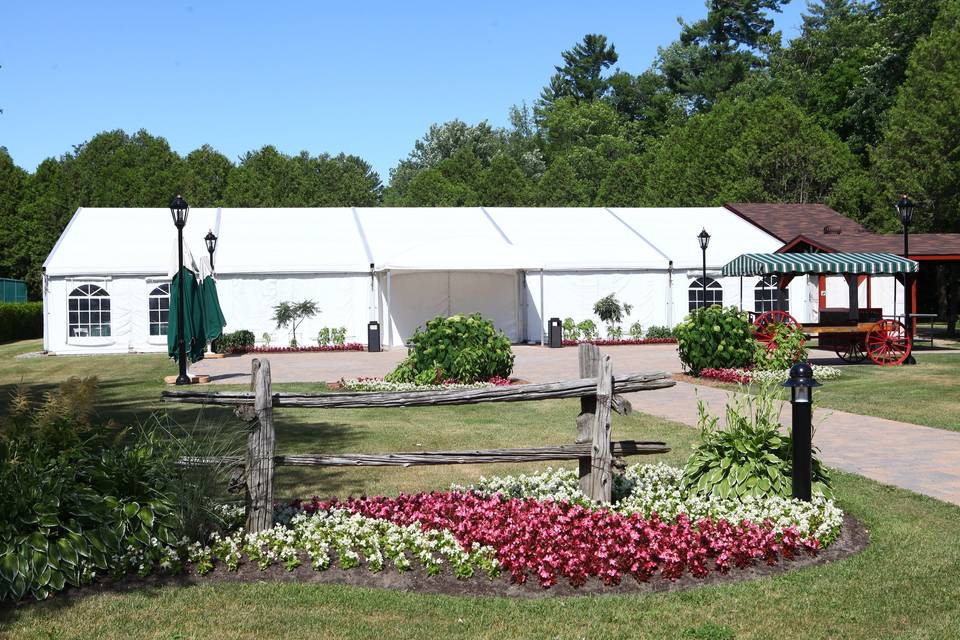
column 129, row 316
column 343, row 301
column 573, row 293
column 418, row 296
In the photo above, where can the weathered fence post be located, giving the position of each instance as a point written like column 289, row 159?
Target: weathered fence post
column 260, row 449
column 601, row 474
column 589, row 357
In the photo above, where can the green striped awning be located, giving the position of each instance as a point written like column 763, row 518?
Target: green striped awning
column 757, row 264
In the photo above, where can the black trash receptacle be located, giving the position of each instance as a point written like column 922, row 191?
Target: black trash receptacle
column 373, row 336
column 555, row 333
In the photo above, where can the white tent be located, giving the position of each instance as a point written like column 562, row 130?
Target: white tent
column 104, row 280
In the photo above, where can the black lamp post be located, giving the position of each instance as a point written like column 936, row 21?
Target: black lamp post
column 704, row 239
column 179, row 210
column 211, row 241
column 905, row 210
column 801, row 384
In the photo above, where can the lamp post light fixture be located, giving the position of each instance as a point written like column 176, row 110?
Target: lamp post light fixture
column 179, row 211
column 905, row 209
column 211, row 241
column 704, row 238
column 801, row 384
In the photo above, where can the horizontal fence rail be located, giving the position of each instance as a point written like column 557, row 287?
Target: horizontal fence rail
column 370, row 399
column 597, row 388
column 420, row 458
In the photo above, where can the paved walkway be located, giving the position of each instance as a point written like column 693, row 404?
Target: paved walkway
column 918, row 458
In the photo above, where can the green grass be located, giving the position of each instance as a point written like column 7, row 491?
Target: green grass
column 927, row 393
column 905, row 585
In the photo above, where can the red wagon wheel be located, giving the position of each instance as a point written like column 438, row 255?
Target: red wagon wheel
column 765, row 326
column 855, row 351
column 888, row 343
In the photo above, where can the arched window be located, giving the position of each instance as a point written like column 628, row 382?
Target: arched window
column 714, row 293
column 89, row 312
column 765, row 295
column 159, row 310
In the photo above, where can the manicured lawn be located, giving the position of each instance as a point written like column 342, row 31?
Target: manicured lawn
column 927, row 393
column 905, row 585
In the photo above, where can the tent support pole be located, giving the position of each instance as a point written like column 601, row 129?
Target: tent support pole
column 741, row 293
column 389, row 311
column 542, row 312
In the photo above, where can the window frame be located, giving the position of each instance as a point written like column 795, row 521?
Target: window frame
column 104, row 305
column 695, row 293
column 152, row 287
column 763, row 305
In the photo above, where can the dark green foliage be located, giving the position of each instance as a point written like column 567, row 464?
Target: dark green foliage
column 73, row 498
column 714, row 338
column 291, row 314
column 657, row 331
column 21, row 321
column 766, row 150
column 718, row 52
column 611, row 310
column 784, row 350
column 750, row 456
column 463, row 348
column 234, row 342
column 580, row 77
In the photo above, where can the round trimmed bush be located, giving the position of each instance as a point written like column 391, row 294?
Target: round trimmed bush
column 715, row 338
column 463, row 348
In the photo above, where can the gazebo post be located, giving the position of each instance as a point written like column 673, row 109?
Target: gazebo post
column 854, row 311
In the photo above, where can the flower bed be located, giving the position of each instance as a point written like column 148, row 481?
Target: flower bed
column 379, row 384
column 561, row 540
column 350, row 346
column 537, row 527
column 746, row 376
column 603, row 342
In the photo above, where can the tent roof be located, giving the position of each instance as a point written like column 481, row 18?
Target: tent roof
column 755, row 264
column 348, row 240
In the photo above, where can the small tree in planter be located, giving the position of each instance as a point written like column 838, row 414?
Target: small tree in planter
column 612, row 311
column 291, row 314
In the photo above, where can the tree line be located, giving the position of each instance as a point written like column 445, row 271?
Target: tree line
column 862, row 105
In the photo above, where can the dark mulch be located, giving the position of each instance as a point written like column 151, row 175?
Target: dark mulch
column 854, row 538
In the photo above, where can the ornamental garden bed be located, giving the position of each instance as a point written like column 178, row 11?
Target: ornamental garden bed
column 604, row 342
column 526, row 536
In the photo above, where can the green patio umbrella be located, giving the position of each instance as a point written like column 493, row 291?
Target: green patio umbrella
column 194, row 333
column 213, row 320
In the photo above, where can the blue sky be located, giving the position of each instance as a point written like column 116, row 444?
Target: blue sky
column 364, row 78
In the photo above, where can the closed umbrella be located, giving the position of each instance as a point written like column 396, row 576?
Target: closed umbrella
column 194, row 334
column 213, row 320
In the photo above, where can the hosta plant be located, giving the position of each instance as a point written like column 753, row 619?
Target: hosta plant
column 749, row 456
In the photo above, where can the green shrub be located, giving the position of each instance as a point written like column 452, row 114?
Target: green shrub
column 78, row 499
column 74, row 498
column 750, row 456
column 323, row 336
column 786, row 348
column 463, row 348
column 588, row 330
column 636, row 331
column 235, row 342
column 338, row 335
column 660, row 332
column 570, row 330
column 715, row 338
column 614, row 332
column 611, row 310
column 21, row 321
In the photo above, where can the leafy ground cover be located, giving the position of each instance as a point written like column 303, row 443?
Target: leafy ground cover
column 903, row 585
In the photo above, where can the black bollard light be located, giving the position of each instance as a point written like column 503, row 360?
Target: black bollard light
column 801, row 384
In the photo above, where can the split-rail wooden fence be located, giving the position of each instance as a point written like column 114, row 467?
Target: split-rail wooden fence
column 596, row 387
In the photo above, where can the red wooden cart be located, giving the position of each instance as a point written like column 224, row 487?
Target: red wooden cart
column 854, row 334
